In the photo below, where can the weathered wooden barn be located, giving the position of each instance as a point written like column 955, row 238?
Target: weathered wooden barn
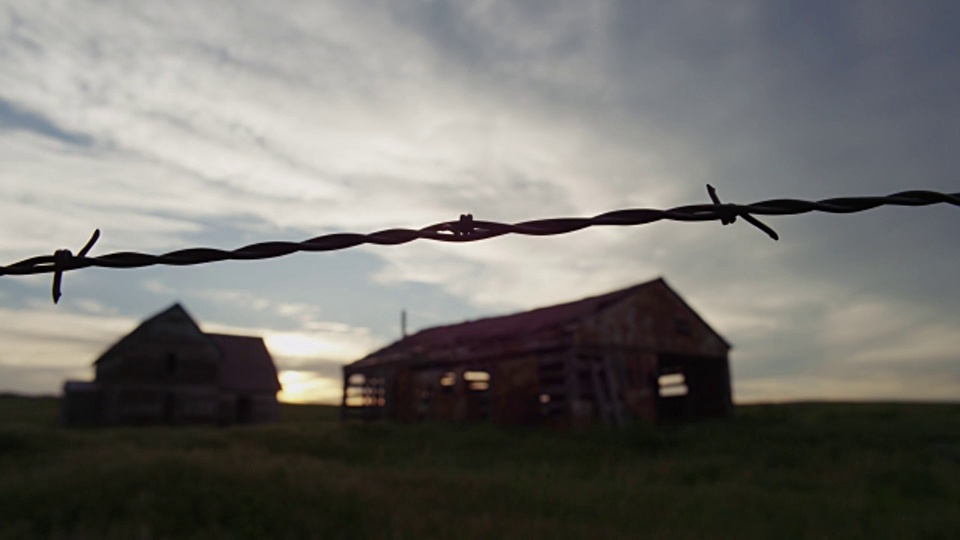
column 168, row 371
column 639, row 352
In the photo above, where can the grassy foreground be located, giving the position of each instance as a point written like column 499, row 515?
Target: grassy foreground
column 793, row 471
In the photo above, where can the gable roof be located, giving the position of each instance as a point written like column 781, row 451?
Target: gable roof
column 492, row 328
column 176, row 311
column 247, row 365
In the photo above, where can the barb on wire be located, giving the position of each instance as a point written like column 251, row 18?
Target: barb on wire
column 61, row 262
column 468, row 229
column 464, row 227
column 730, row 212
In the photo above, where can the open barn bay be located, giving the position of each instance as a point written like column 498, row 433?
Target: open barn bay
column 792, row 470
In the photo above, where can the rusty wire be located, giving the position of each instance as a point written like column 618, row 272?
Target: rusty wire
column 467, row 229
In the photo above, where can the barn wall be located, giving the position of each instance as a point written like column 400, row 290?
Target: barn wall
column 445, row 402
column 443, row 393
column 652, row 324
column 515, row 387
column 502, row 390
column 246, row 408
column 400, row 396
column 192, row 405
column 153, row 362
column 128, row 404
column 653, row 318
column 159, row 355
column 137, row 405
column 266, row 408
column 640, row 393
column 140, row 404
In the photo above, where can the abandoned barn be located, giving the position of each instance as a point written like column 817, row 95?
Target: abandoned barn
column 168, row 371
column 639, row 352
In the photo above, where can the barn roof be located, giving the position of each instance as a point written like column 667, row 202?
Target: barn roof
column 247, row 365
column 246, row 362
column 517, row 323
column 176, row 311
column 504, row 326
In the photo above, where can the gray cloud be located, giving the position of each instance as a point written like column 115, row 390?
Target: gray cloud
column 13, row 117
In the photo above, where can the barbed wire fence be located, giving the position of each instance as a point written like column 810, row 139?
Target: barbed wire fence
column 468, row 229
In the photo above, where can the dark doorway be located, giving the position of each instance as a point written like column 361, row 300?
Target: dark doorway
column 690, row 387
column 478, row 403
column 673, row 395
column 244, row 410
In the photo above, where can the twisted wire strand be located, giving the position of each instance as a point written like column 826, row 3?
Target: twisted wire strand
column 466, row 229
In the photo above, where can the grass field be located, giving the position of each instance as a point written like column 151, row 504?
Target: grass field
column 792, row 471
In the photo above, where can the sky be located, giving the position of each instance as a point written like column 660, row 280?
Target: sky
column 180, row 124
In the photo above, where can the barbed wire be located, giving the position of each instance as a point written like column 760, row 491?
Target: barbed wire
column 467, row 229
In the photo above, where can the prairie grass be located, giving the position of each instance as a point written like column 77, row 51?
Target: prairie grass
column 794, row 470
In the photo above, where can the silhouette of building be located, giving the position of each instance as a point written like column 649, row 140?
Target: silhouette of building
column 168, row 371
column 639, row 352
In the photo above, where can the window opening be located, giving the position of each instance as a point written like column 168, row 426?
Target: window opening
column 478, row 381
column 448, row 381
column 672, row 385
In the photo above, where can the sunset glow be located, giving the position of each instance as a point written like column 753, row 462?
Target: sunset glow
column 307, row 387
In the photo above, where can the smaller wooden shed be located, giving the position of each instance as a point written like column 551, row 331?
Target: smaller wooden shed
column 639, row 352
column 168, row 371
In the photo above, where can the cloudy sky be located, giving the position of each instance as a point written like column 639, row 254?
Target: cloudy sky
column 220, row 123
